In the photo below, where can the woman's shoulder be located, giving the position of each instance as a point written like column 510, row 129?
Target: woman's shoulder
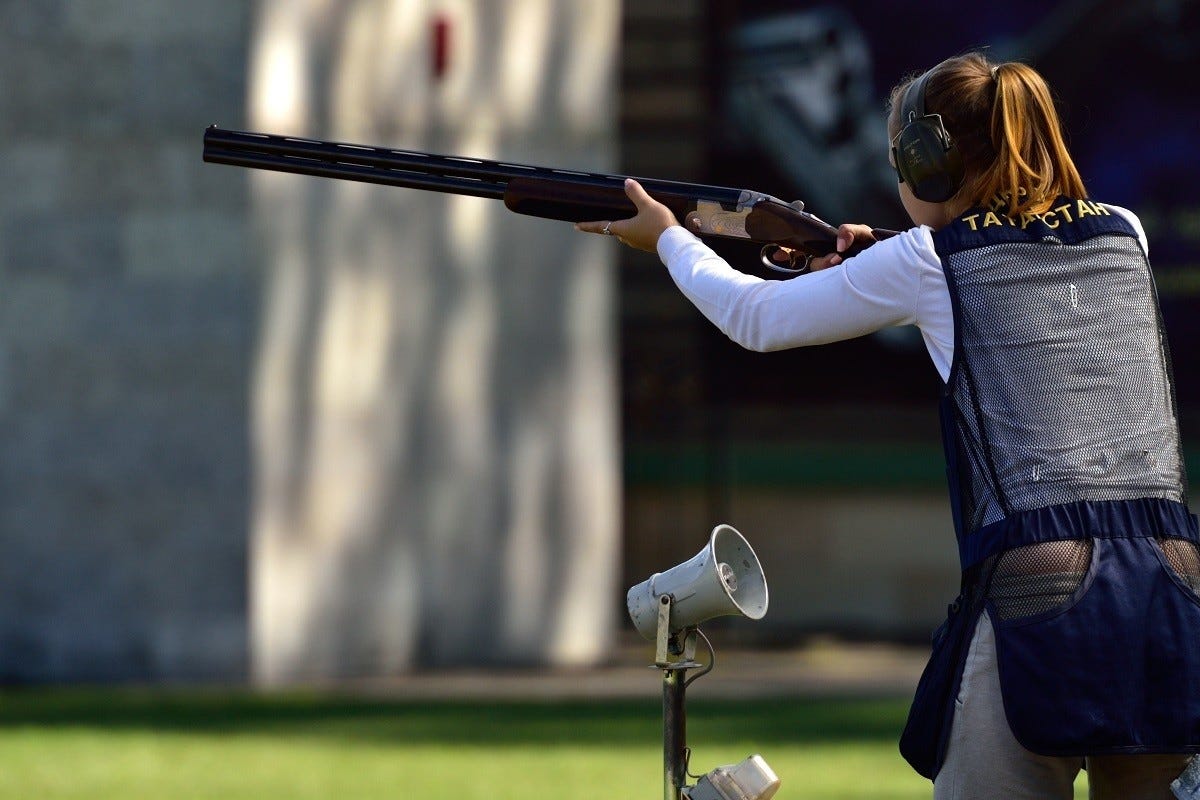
column 916, row 241
column 913, row 247
column 1126, row 214
column 1134, row 223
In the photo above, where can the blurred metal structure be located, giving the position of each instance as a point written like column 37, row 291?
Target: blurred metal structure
column 799, row 89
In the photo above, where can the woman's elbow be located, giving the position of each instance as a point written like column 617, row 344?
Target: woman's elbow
column 753, row 338
column 754, row 322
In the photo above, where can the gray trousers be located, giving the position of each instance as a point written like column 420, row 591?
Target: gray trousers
column 984, row 761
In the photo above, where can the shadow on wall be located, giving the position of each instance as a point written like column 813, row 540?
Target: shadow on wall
column 436, row 476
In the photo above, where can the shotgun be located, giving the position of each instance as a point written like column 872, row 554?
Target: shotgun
column 561, row 194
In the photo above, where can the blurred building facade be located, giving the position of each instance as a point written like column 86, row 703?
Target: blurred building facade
column 270, row 428
column 264, row 427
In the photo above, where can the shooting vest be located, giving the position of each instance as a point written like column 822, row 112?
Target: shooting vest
column 1068, row 492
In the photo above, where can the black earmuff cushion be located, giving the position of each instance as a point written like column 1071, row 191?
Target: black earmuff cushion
column 926, row 161
column 926, row 158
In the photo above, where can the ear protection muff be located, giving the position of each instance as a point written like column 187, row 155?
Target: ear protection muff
column 924, row 154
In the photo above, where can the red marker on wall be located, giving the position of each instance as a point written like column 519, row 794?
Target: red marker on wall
column 440, row 50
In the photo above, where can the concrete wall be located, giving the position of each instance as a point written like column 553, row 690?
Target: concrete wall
column 409, row 400
column 128, row 298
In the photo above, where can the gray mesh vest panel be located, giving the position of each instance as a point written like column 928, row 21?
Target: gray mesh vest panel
column 1060, row 389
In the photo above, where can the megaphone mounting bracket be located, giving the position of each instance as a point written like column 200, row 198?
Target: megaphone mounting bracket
column 673, row 651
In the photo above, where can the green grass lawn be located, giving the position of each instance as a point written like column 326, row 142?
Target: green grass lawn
column 125, row 744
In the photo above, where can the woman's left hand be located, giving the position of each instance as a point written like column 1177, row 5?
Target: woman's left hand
column 847, row 235
column 641, row 230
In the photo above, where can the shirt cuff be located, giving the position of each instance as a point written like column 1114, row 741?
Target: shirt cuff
column 672, row 239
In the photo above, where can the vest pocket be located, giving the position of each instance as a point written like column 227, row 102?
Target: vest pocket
column 1182, row 558
column 1116, row 669
column 1039, row 579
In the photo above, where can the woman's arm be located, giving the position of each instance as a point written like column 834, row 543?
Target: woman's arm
column 876, row 289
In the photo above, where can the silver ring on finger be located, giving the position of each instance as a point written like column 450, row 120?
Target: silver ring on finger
column 607, row 229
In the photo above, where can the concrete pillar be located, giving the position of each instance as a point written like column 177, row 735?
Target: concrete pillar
column 436, row 472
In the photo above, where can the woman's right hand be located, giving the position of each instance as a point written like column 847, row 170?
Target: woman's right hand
column 642, row 230
column 848, row 234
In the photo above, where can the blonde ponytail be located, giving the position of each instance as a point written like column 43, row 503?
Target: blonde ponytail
column 1033, row 165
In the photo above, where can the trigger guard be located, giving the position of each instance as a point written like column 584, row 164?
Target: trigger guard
column 764, row 256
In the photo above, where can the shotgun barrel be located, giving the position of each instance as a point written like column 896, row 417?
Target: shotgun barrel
column 393, row 167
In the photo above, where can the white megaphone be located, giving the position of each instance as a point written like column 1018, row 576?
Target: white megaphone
column 723, row 579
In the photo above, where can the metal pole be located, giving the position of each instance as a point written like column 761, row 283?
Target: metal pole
column 674, row 734
column 673, row 655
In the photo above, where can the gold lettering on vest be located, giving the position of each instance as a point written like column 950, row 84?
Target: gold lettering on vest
column 1051, row 218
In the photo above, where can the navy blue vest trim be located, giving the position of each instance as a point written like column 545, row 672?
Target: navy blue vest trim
column 1069, row 221
column 946, row 412
column 1147, row 517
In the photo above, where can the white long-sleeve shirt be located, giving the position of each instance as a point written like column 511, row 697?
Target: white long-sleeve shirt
column 898, row 281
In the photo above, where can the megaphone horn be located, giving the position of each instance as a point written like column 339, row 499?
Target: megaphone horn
column 723, row 579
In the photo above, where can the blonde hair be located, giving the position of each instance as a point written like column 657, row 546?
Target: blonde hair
column 1003, row 121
